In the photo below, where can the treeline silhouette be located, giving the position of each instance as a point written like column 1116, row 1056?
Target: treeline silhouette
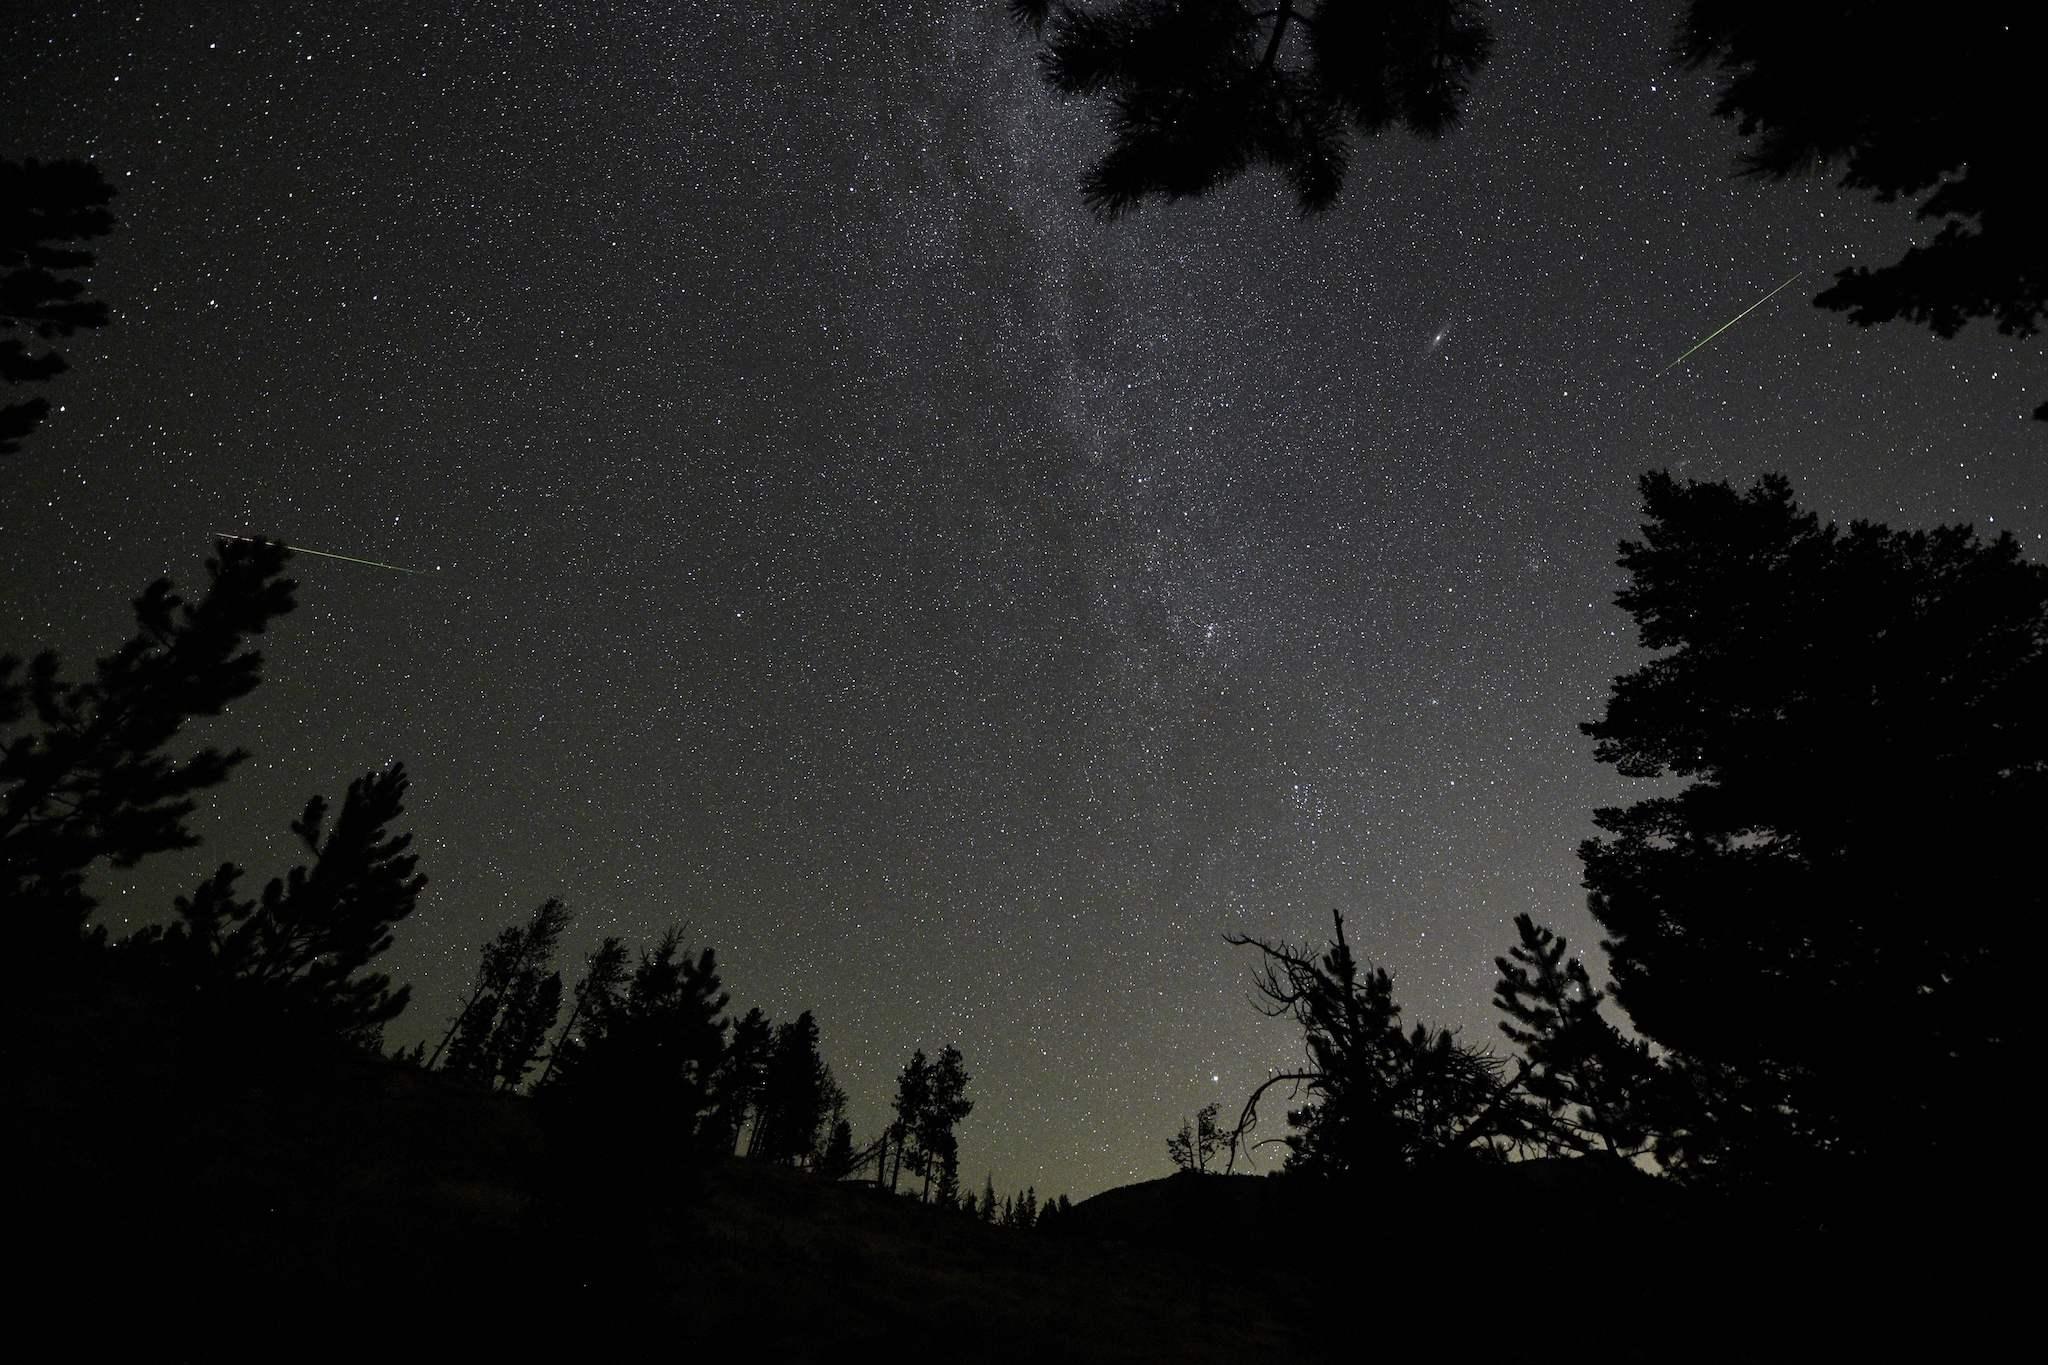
column 1811, row 938
column 1815, row 1000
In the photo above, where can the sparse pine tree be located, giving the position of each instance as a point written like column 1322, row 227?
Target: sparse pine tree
column 600, row 995
column 529, row 1013
column 945, row 1104
column 988, row 1199
column 518, row 951
column 913, row 1098
column 742, row 1076
column 468, row 1053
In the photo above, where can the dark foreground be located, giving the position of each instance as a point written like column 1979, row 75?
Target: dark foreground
column 213, row 1194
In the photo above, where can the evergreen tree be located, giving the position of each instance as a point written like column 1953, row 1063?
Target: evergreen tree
column 599, row 997
column 1592, row 1085
column 1856, row 718
column 837, row 1161
column 1377, row 1097
column 512, row 962
column 743, row 1076
column 47, row 208
column 913, row 1098
column 530, row 1012
column 468, row 1042
column 988, row 1199
column 644, row 1065
column 304, row 947
column 794, row 1097
column 1027, row 1209
column 1199, row 91
column 832, row 1113
column 1944, row 112
column 86, row 775
column 944, row 1105
column 946, row 1157
column 970, row 1207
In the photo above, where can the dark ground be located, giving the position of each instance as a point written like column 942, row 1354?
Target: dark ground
column 216, row 1195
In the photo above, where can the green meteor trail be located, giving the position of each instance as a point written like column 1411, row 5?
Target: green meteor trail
column 1726, row 325
column 325, row 554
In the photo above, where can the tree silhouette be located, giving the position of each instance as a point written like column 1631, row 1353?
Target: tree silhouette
column 304, row 947
column 1593, row 1085
column 506, row 994
column 742, row 1076
column 529, row 1013
column 85, row 775
column 913, row 1097
column 1943, row 112
column 1856, row 716
column 1377, row 1097
column 1197, row 1143
column 1199, row 91
column 599, row 997
column 945, row 1104
column 795, row 1094
column 644, row 1063
column 988, row 1199
column 946, row 1156
column 836, row 1163
column 46, row 209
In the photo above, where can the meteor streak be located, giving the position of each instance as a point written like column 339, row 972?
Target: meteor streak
column 1726, row 325
column 324, row 554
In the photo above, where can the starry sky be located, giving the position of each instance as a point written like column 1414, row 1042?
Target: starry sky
column 959, row 611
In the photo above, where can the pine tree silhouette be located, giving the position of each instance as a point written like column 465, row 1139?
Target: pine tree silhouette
column 645, row 1060
column 913, row 1098
column 1199, row 91
column 600, row 996
column 1855, row 716
column 528, row 1015
column 794, row 1097
column 743, row 1076
column 945, row 1104
column 1592, row 1085
column 512, row 965
column 47, row 208
column 86, row 775
column 303, row 949
column 1377, row 1098
column 1944, row 112
column 837, row 1161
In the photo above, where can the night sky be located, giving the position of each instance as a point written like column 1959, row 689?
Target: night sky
column 960, row 611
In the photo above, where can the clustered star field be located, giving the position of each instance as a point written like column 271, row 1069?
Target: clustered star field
column 959, row 611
